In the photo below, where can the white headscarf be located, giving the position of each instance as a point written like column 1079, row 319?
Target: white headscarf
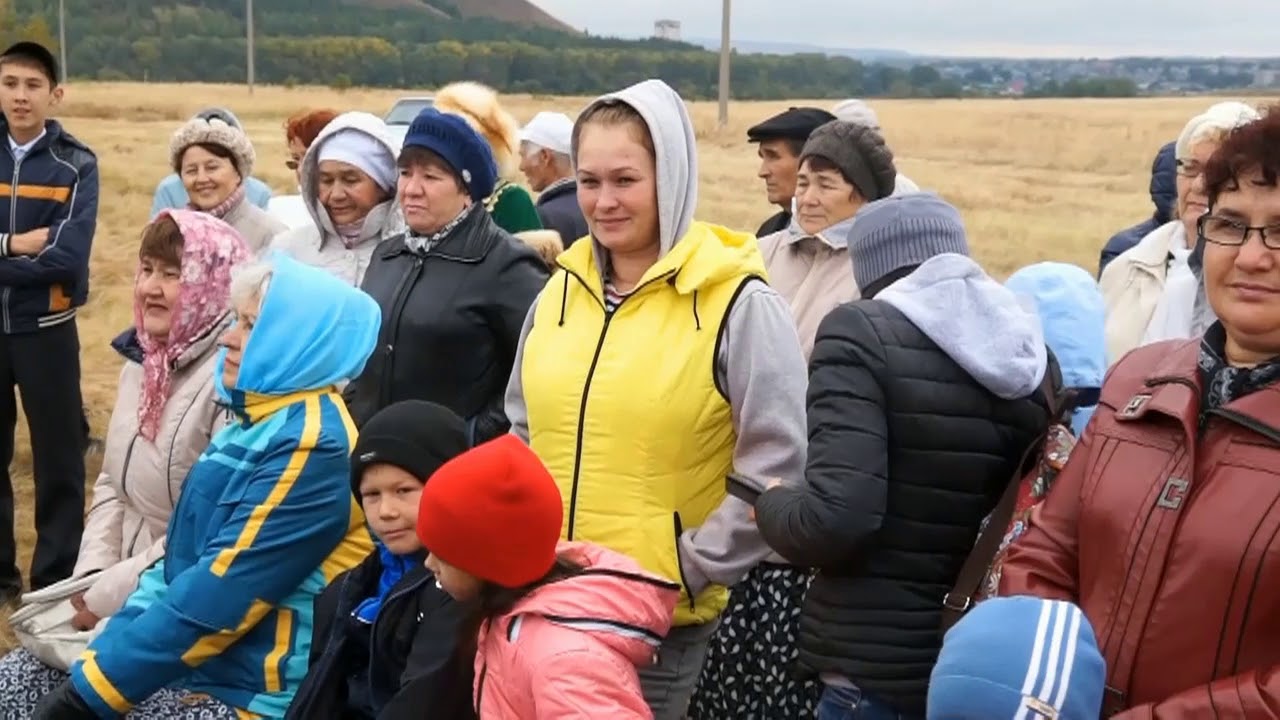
column 356, row 148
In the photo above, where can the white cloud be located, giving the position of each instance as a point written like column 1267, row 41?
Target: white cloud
column 969, row 27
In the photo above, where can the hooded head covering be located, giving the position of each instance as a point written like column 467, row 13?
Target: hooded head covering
column 354, row 130
column 314, row 330
column 1073, row 316
column 210, row 249
column 358, row 148
column 675, row 146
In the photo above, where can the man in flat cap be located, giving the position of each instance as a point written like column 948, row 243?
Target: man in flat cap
column 781, row 139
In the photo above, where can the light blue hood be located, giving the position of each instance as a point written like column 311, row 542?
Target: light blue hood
column 313, row 331
column 1072, row 314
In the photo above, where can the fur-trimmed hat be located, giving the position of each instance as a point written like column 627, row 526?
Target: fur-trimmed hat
column 479, row 106
column 213, row 131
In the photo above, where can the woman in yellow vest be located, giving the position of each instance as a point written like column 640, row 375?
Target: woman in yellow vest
column 655, row 362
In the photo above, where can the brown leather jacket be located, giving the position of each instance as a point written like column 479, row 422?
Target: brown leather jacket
column 1168, row 536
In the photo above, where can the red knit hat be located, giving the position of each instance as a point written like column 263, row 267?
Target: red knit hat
column 494, row 512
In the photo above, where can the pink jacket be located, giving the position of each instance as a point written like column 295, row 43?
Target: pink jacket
column 570, row 649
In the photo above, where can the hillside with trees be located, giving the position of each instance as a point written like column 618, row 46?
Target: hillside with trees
column 509, row 44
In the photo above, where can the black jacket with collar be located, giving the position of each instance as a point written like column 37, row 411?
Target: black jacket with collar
column 414, row 669
column 451, row 319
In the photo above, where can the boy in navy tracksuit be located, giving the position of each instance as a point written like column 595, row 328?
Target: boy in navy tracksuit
column 48, row 211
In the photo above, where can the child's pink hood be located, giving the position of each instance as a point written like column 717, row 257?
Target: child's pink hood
column 614, row 600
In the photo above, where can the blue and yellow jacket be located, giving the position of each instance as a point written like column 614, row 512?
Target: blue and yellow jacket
column 265, row 521
column 54, row 186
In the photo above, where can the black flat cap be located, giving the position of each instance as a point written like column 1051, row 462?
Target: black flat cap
column 794, row 124
column 37, row 52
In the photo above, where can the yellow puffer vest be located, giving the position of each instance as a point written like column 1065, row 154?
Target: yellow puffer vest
column 624, row 408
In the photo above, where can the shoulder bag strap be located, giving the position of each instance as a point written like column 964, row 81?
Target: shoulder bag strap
column 957, row 602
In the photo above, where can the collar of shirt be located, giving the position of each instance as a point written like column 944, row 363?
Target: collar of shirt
column 21, row 150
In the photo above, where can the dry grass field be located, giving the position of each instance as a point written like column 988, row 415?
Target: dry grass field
column 1035, row 180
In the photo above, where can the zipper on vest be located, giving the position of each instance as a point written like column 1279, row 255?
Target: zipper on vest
column 582, row 417
column 688, row 590
column 13, row 229
column 586, row 386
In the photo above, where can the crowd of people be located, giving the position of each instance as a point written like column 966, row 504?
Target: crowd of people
column 417, row 443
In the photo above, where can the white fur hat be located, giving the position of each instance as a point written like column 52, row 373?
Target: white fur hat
column 213, row 131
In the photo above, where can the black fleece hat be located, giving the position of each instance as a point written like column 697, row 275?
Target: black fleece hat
column 35, row 51
column 413, row 435
column 794, row 124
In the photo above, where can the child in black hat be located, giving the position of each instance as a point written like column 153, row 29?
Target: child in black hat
column 385, row 634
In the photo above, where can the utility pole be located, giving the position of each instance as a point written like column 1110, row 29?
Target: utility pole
column 248, row 20
column 724, row 66
column 62, row 38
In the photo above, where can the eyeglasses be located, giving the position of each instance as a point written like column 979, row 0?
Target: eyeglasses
column 1225, row 231
column 291, row 164
column 1189, row 168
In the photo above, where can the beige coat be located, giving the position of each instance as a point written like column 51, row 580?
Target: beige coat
column 140, row 481
column 1131, row 288
column 254, row 224
column 813, row 273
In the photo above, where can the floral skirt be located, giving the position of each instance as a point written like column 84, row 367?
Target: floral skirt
column 749, row 672
column 24, row 680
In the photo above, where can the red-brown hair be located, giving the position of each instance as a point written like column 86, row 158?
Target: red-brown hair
column 304, row 126
column 1250, row 148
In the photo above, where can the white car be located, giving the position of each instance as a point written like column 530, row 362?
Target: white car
column 403, row 113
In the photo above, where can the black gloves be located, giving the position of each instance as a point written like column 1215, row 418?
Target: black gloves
column 64, row 703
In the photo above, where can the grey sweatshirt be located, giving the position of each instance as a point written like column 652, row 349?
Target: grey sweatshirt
column 979, row 323
column 759, row 361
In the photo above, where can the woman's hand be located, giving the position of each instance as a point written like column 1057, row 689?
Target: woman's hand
column 84, row 618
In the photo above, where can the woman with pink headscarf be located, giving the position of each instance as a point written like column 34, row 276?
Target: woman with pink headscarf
column 162, row 421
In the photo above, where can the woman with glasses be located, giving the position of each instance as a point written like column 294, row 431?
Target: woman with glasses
column 1163, row 523
column 1150, row 289
column 300, row 130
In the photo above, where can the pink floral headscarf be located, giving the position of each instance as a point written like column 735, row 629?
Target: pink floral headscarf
column 210, row 249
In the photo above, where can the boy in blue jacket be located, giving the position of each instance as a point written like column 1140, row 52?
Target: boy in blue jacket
column 49, row 181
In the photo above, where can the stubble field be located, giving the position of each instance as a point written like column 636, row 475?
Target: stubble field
column 1035, row 180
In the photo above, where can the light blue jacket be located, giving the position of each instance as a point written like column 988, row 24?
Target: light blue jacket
column 1073, row 315
column 172, row 194
column 265, row 521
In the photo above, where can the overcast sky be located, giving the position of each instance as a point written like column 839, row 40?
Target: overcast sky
column 1045, row 28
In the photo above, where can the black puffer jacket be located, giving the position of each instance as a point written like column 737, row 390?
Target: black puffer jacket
column 451, row 318
column 907, row 454
column 415, row 671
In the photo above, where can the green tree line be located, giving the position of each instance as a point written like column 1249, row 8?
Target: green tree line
column 328, row 42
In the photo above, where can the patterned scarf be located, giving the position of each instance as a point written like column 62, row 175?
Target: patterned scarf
column 423, row 243
column 221, row 209
column 210, row 248
column 1224, row 383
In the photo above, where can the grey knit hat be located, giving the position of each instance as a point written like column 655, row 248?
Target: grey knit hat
column 903, row 231
column 859, row 152
column 214, row 131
